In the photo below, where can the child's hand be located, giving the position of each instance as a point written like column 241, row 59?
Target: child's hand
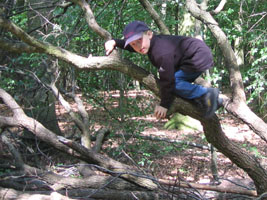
column 109, row 46
column 160, row 112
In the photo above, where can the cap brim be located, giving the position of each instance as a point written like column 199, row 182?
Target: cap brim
column 133, row 38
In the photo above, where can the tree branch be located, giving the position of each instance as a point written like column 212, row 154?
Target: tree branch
column 17, row 47
column 90, row 18
column 219, row 7
column 149, row 8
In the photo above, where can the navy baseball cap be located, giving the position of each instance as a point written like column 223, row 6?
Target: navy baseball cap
column 134, row 31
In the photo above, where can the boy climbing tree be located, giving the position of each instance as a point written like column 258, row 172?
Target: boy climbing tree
column 180, row 61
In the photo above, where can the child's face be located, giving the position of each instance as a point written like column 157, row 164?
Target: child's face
column 142, row 45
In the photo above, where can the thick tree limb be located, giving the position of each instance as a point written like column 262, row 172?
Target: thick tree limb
column 244, row 113
column 41, row 180
column 99, row 139
column 17, row 47
column 20, row 119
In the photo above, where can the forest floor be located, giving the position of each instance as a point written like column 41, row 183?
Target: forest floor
column 162, row 159
column 138, row 138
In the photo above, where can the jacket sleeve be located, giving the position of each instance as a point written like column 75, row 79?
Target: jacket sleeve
column 121, row 43
column 167, row 82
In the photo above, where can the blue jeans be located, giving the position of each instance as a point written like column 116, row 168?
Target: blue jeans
column 184, row 87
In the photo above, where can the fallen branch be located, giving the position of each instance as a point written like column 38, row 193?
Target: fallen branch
column 14, row 194
column 208, row 187
column 79, row 193
column 25, row 181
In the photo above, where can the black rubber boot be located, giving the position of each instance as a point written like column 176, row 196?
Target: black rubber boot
column 209, row 102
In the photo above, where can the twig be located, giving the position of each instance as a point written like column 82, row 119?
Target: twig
column 132, row 161
column 173, row 141
column 257, row 22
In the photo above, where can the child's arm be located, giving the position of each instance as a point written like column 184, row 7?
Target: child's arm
column 111, row 44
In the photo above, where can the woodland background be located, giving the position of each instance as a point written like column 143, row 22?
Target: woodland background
column 76, row 124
